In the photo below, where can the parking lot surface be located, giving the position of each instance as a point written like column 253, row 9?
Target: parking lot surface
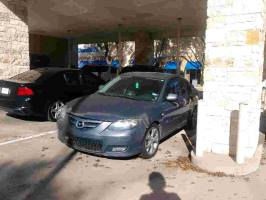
column 35, row 165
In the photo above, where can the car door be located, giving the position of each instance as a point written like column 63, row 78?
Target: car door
column 72, row 87
column 184, row 94
column 172, row 111
column 90, row 83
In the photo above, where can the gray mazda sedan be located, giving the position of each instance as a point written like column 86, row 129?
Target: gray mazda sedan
column 129, row 116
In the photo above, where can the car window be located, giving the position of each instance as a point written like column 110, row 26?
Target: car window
column 89, row 78
column 172, row 87
column 56, row 80
column 184, row 90
column 179, row 87
column 137, row 88
column 72, row 78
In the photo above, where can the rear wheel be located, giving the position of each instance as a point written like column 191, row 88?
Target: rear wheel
column 54, row 110
column 151, row 142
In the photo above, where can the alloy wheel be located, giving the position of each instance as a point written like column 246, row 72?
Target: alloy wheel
column 55, row 109
column 152, row 141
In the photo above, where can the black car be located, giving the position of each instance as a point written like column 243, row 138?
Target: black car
column 105, row 72
column 44, row 91
column 141, row 68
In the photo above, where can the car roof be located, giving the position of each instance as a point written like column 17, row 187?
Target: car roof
column 54, row 69
column 156, row 75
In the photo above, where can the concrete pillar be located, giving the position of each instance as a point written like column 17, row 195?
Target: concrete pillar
column 144, row 48
column 178, row 38
column 233, row 74
column 72, row 53
column 56, row 50
column 14, row 38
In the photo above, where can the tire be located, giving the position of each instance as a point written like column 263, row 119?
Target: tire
column 53, row 110
column 150, row 142
column 192, row 120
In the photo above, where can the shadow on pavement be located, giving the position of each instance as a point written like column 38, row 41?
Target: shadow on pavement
column 27, row 118
column 157, row 184
column 21, row 181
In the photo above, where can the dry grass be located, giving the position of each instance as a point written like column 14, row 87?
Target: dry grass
column 185, row 164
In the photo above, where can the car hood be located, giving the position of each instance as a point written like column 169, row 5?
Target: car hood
column 108, row 108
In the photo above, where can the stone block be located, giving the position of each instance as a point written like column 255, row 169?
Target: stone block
column 234, row 7
column 14, row 38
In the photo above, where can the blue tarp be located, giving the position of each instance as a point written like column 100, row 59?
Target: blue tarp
column 92, row 62
column 88, row 50
column 170, row 65
column 189, row 66
column 115, row 64
column 193, row 65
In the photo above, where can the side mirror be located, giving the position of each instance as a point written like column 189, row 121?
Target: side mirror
column 101, row 87
column 171, row 97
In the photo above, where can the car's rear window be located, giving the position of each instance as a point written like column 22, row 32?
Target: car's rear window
column 31, row 76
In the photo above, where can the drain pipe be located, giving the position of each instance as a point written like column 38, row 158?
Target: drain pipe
column 242, row 120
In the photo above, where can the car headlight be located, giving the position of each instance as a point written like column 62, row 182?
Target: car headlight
column 123, row 125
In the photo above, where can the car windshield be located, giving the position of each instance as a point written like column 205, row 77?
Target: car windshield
column 137, row 88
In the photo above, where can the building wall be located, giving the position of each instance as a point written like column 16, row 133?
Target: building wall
column 14, row 38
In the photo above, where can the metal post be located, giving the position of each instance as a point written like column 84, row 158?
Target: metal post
column 69, row 52
column 69, row 43
column 178, row 36
column 240, row 146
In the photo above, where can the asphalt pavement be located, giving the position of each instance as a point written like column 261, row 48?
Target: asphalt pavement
column 35, row 165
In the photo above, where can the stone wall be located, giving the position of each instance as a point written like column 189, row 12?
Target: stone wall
column 233, row 74
column 14, row 38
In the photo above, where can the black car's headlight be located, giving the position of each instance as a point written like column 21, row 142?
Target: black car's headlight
column 121, row 125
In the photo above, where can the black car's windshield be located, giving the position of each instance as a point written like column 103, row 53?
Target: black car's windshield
column 138, row 88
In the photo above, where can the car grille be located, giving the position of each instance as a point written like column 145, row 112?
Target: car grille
column 82, row 123
column 86, row 144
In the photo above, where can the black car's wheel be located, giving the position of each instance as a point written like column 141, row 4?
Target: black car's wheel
column 151, row 142
column 192, row 120
column 54, row 110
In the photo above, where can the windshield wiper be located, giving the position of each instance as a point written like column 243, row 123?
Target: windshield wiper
column 127, row 97
column 104, row 94
column 108, row 94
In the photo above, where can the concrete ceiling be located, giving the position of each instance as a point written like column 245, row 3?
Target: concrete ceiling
column 80, row 17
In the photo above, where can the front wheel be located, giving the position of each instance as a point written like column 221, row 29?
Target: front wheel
column 54, row 110
column 151, row 142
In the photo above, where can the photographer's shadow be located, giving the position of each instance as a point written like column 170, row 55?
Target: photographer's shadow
column 157, row 183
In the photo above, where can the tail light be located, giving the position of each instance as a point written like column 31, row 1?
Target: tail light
column 24, row 91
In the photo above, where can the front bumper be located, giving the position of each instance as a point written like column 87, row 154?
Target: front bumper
column 105, row 143
column 21, row 106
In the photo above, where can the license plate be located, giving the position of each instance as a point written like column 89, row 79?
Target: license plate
column 5, row 91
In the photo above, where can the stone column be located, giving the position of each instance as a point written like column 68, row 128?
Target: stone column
column 144, row 48
column 14, row 38
column 232, row 76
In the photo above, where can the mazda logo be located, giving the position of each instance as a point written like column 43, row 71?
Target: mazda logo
column 80, row 124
